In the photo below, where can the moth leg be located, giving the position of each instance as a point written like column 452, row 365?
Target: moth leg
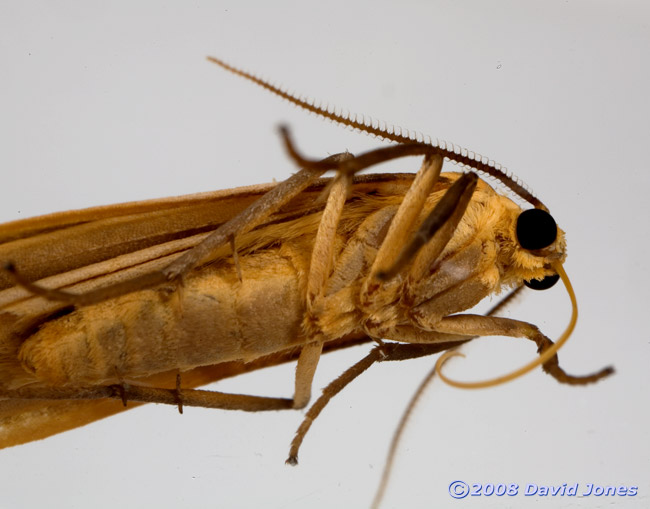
column 413, row 335
column 403, row 223
column 305, row 370
column 329, row 392
column 142, row 394
column 477, row 325
column 122, row 395
column 334, row 311
column 323, row 253
column 360, row 250
column 383, row 353
column 322, row 259
column 444, row 220
column 435, row 231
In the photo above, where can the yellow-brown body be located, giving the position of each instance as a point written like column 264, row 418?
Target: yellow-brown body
column 215, row 318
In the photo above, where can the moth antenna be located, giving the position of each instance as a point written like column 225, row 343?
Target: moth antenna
column 399, row 432
column 380, row 131
column 544, row 357
column 410, row 408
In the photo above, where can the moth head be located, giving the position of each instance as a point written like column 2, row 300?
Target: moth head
column 540, row 245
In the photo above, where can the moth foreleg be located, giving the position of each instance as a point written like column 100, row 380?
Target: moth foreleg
column 477, row 325
column 412, row 334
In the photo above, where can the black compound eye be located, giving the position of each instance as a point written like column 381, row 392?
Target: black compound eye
column 536, row 229
column 544, row 284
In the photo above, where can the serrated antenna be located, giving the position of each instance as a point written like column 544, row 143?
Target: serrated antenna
column 370, row 126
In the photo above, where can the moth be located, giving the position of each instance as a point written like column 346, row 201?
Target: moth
column 105, row 308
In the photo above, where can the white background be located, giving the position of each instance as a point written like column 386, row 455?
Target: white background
column 105, row 102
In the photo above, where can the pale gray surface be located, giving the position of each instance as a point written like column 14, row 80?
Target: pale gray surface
column 108, row 102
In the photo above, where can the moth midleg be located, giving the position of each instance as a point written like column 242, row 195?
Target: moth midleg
column 322, row 256
column 319, row 269
column 305, row 371
column 380, row 353
column 335, row 310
